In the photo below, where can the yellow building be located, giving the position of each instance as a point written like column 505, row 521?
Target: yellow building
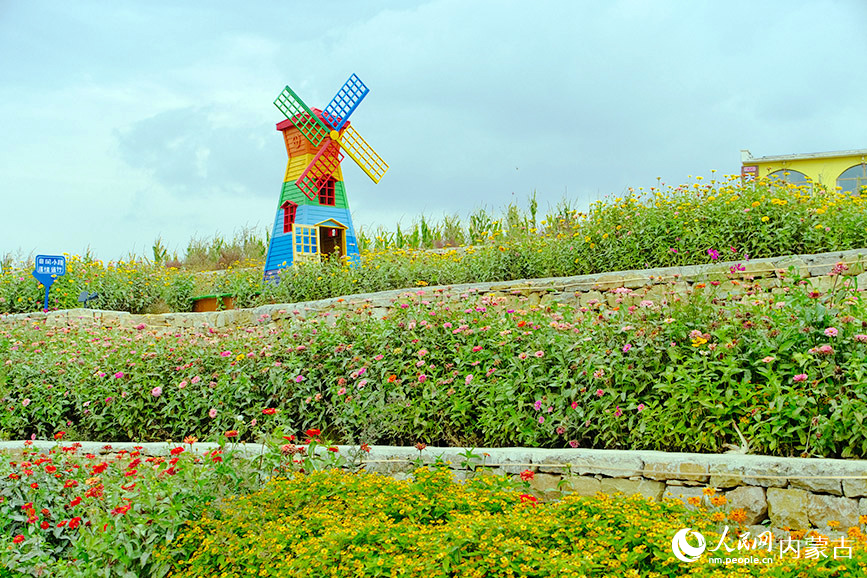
column 846, row 170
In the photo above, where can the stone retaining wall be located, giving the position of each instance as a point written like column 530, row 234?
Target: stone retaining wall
column 794, row 493
column 655, row 285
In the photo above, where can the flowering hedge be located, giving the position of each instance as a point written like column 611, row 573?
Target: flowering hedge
column 785, row 369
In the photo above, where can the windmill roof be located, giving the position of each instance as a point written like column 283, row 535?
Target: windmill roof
column 289, row 122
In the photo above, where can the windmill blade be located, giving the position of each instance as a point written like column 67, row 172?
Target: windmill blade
column 363, row 154
column 323, row 165
column 291, row 105
column 344, row 102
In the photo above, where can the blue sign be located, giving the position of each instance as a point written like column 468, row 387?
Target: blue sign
column 48, row 268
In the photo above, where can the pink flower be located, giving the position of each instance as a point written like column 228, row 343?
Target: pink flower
column 341, row 391
column 800, row 377
column 574, row 405
column 212, row 413
column 767, row 359
column 831, row 332
column 599, row 373
column 118, row 375
column 618, row 412
column 541, row 419
column 539, row 354
column 182, row 384
column 225, row 353
column 379, row 357
column 646, row 303
column 522, row 355
column 422, row 378
column 468, row 379
column 195, row 380
column 641, row 407
column 861, row 338
column 573, row 443
column 140, row 326
column 477, row 348
column 538, row 404
column 157, row 391
column 25, row 402
column 362, row 383
column 299, row 378
column 599, row 393
column 627, row 347
column 826, row 350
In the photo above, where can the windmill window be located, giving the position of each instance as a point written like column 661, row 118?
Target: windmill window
column 326, row 192
column 289, row 210
column 853, row 179
column 306, row 240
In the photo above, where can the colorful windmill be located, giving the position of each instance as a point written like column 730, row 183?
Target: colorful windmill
column 313, row 214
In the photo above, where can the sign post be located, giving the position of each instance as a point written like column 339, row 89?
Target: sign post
column 48, row 269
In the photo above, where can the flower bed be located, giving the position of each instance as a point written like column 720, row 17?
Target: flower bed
column 194, row 513
column 784, row 367
column 660, row 227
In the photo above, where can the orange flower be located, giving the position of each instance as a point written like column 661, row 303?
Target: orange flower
column 232, row 433
column 392, row 378
column 738, row 515
column 694, row 501
column 718, row 500
column 709, row 491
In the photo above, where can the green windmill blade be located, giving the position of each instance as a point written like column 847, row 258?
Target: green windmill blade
column 291, row 105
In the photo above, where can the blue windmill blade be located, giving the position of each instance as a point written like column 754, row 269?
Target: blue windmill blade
column 344, row 102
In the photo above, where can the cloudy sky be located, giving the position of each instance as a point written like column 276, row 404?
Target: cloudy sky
column 127, row 121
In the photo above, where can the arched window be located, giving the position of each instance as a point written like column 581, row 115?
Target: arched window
column 853, row 179
column 790, row 176
column 786, row 177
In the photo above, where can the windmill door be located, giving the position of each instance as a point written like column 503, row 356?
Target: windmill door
column 332, row 238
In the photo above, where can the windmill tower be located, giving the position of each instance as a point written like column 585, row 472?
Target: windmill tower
column 313, row 219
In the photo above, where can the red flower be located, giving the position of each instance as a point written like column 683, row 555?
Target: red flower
column 59, row 435
column 177, row 450
column 290, row 438
column 74, row 523
column 527, row 475
column 34, row 485
column 99, row 468
column 129, row 487
column 70, row 484
column 365, row 448
column 44, row 525
column 121, row 510
column 18, row 539
column 50, row 469
column 269, row 410
column 333, row 449
column 75, row 502
column 313, row 432
column 231, row 433
column 528, row 498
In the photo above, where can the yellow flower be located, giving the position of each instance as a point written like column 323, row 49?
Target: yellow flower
column 765, row 219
